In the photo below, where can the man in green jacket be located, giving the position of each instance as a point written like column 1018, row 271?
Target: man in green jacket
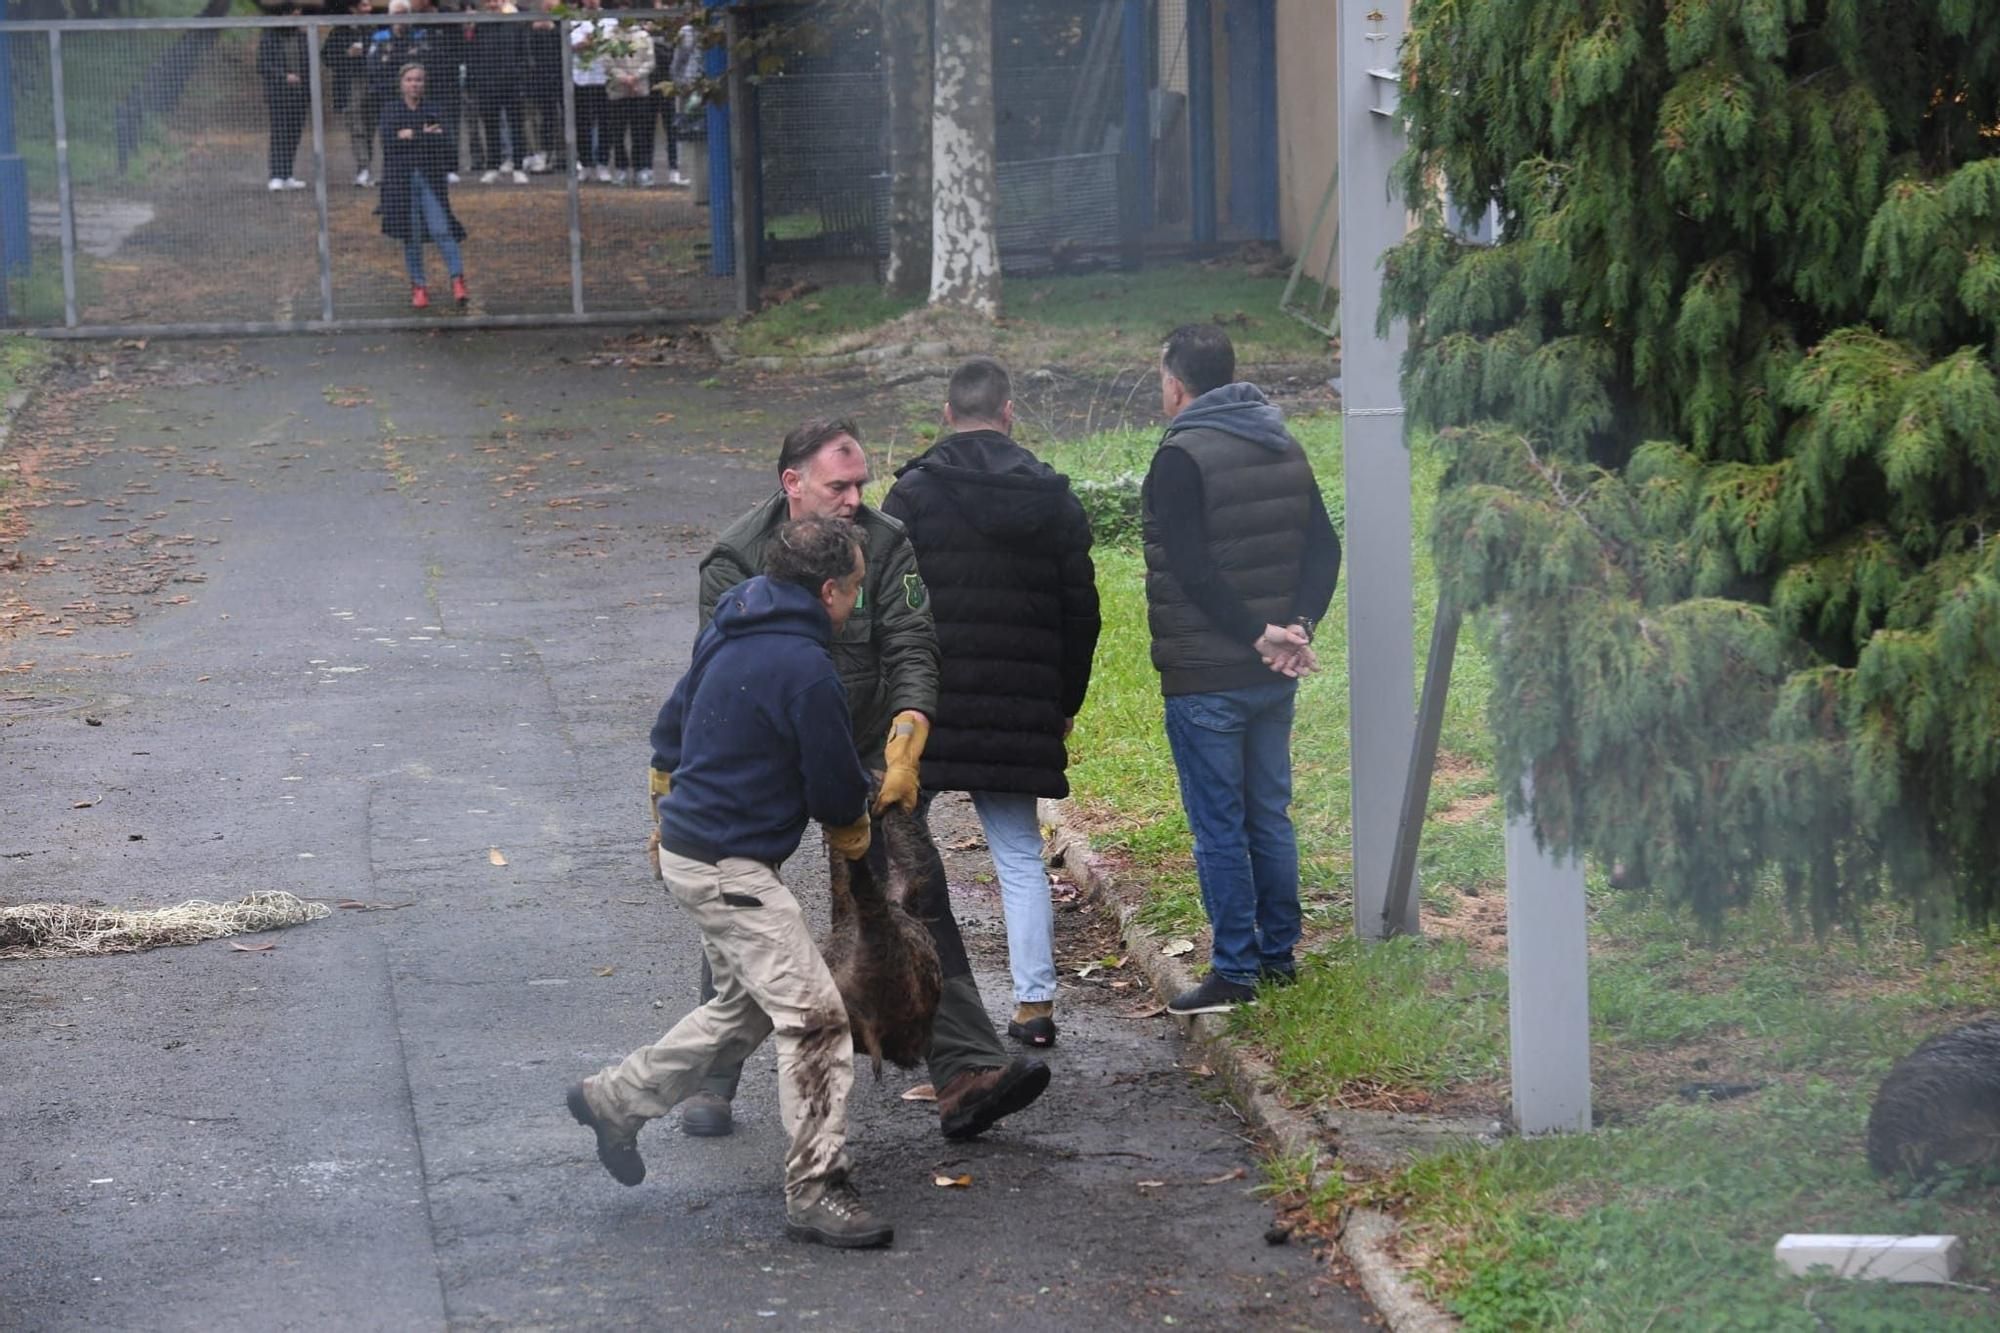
column 887, row 657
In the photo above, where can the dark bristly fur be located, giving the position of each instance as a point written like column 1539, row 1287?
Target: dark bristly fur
column 881, row 956
column 1939, row 1109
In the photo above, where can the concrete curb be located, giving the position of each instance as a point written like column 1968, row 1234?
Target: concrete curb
column 1366, row 1236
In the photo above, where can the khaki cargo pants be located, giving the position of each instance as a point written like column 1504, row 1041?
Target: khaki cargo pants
column 769, row 981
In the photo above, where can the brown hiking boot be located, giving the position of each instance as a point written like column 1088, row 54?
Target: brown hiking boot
column 973, row 1101
column 837, row 1217
column 706, row 1115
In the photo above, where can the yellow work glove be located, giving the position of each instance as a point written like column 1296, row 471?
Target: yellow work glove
column 850, row 840
column 907, row 734
column 658, row 784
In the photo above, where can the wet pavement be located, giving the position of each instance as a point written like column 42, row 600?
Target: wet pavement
column 387, row 620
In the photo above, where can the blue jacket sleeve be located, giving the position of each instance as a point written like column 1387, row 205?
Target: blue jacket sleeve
column 836, row 784
column 667, row 728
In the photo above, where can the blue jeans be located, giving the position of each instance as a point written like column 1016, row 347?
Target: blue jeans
column 1232, row 752
column 1014, row 836
column 427, row 215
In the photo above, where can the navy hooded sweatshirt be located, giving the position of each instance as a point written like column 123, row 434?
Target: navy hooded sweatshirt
column 756, row 734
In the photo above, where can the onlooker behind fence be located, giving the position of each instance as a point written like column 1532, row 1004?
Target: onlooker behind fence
column 628, row 88
column 416, row 197
column 1241, row 561
column 590, row 70
column 389, row 50
column 682, row 62
column 281, row 65
column 344, row 52
column 495, row 58
column 547, row 67
column 1004, row 547
column 445, row 75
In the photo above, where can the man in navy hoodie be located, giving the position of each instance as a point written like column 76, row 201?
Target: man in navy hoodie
column 757, row 737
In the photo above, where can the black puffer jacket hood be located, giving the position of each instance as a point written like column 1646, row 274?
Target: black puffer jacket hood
column 1004, row 492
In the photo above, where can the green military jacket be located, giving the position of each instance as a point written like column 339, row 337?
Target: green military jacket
column 887, row 652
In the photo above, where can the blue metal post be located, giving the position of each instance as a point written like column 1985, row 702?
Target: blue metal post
column 1201, row 120
column 13, row 173
column 721, row 176
column 1253, row 118
column 1138, row 115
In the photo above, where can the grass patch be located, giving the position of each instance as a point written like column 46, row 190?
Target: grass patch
column 1092, row 319
column 1664, row 1217
column 21, row 360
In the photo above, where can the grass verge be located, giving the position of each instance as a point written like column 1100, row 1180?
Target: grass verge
column 1732, row 1074
column 1092, row 319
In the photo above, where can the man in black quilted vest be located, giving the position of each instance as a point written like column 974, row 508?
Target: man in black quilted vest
column 1005, row 550
column 1241, row 562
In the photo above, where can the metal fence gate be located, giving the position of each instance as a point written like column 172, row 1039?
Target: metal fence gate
column 148, row 181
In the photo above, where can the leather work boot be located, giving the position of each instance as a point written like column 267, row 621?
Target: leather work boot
column 973, row 1101
column 836, row 1217
column 707, row 1116
column 617, row 1145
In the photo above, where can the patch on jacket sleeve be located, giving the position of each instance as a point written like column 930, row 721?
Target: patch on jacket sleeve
column 914, row 592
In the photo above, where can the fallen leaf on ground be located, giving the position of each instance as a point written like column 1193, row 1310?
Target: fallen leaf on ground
column 923, row 1092
column 252, row 948
column 85, row 805
column 1150, row 1011
column 1175, row 948
column 493, row 855
column 606, row 970
column 1201, row 1071
column 1225, row 1177
column 952, row 1182
column 356, row 905
column 1152, row 1184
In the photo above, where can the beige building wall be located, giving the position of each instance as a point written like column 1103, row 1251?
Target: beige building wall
column 1308, row 144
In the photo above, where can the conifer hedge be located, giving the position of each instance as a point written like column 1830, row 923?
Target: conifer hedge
column 1723, row 424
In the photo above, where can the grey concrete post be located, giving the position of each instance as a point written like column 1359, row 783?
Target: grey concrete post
column 1548, row 986
column 1380, row 625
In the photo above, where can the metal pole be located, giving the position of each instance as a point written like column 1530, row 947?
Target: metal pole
column 575, row 161
column 1137, row 137
column 721, row 222
column 1423, row 762
column 746, row 207
column 1380, row 624
column 65, row 205
column 1548, row 984
column 1201, row 120
column 314, row 86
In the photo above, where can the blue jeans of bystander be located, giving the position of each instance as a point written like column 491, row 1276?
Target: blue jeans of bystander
column 1232, row 752
column 1014, row 836
column 428, row 216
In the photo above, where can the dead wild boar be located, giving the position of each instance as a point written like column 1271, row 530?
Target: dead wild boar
column 1939, row 1108
column 880, row 954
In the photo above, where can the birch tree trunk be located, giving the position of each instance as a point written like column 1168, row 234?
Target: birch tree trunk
column 965, row 250
column 906, row 67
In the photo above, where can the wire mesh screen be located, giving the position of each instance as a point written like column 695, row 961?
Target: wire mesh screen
column 267, row 174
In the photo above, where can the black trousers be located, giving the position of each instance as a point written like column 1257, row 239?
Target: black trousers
column 544, row 105
column 593, row 131
column 493, row 103
column 288, row 123
column 632, row 117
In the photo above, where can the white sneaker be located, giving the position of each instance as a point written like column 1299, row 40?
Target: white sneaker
column 646, row 180
column 604, row 175
column 294, row 183
column 277, row 183
column 451, row 178
column 582, row 172
column 488, row 177
column 362, row 180
column 520, row 177
column 534, row 162
column 507, row 167
column 674, row 177
column 618, row 176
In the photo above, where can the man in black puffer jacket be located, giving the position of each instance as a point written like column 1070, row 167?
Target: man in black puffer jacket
column 1005, row 551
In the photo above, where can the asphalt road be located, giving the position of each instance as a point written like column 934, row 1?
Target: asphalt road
column 387, row 620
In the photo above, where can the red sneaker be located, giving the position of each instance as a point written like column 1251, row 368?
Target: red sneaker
column 420, row 296
column 458, row 292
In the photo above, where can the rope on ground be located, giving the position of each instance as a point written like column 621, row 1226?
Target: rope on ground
column 61, row 930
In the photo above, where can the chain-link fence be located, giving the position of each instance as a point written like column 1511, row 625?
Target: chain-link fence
column 267, row 173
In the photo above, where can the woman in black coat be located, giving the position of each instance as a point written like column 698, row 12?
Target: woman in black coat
column 281, row 65
column 416, row 201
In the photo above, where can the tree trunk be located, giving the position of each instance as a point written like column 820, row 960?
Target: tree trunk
column 965, row 251
column 906, row 67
